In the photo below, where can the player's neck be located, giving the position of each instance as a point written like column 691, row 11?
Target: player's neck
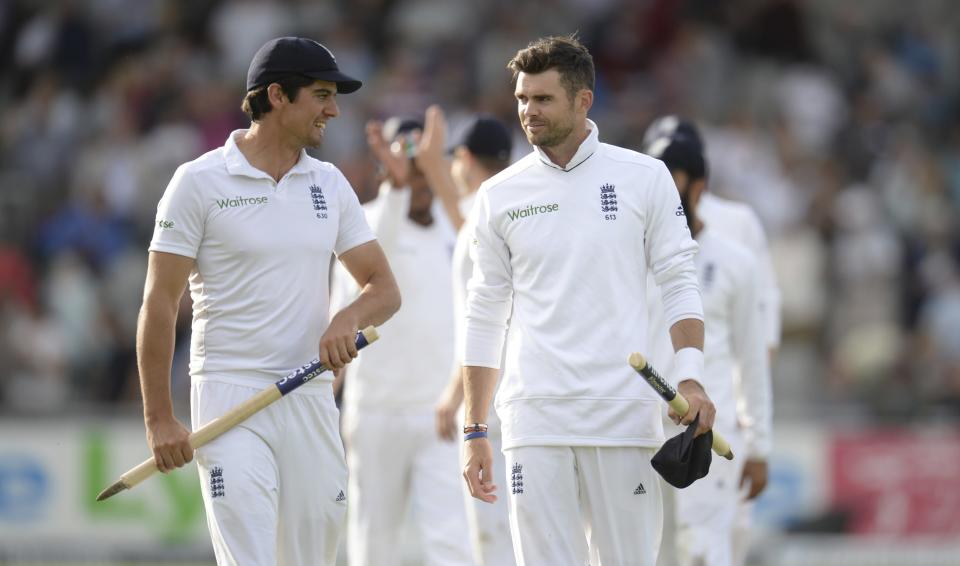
column 267, row 150
column 562, row 153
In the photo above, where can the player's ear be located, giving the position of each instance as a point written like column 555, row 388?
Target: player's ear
column 584, row 100
column 276, row 95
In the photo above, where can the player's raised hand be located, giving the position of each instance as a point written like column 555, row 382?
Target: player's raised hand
column 478, row 469
column 433, row 141
column 394, row 159
column 700, row 404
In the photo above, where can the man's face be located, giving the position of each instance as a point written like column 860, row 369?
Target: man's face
column 306, row 117
column 546, row 112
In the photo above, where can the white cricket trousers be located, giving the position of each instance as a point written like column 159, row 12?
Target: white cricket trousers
column 397, row 462
column 490, row 522
column 274, row 487
column 571, row 506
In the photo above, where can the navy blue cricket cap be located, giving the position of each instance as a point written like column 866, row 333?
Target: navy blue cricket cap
column 679, row 152
column 684, row 459
column 669, row 126
column 487, row 137
column 285, row 56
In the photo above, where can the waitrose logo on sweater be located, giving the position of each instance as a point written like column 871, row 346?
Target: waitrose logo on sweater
column 240, row 201
column 532, row 210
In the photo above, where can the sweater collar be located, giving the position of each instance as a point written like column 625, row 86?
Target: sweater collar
column 587, row 148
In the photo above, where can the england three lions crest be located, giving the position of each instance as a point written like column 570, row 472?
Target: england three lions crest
column 319, row 201
column 608, row 200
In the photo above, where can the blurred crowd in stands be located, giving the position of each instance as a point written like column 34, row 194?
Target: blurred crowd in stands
column 838, row 121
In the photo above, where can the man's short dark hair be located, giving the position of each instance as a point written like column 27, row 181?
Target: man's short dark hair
column 257, row 102
column 565, row 54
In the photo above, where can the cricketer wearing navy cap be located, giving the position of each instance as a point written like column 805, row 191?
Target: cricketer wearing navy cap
column 253, row 228
column 736, row 295
column 297, row 56
column 487, row 137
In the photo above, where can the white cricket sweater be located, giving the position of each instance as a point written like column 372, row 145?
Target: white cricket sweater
column 568, row 249
column 462, row 271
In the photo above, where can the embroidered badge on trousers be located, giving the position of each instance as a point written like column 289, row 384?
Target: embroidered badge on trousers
column 516, row 479
column 216, row 482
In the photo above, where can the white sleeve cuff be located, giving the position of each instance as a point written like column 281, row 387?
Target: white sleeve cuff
column 483, row 343
column 688, row 364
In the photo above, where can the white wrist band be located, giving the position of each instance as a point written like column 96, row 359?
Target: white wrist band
column 688, row 364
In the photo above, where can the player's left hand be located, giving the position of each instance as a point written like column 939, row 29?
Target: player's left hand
column 700, row 404
column 755, row 475
column 338, row 344
column 478, row 469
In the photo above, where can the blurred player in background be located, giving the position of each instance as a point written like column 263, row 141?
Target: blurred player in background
column 396, row 459
column 253, row 225
column 737, row 221
column 563, row 243
column 704, row 513
column 483, row 151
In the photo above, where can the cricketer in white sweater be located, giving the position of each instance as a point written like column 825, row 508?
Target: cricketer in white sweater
column 567, row 252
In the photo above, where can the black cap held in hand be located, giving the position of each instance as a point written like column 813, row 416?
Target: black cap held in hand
column 684, row 459
column 286, row 56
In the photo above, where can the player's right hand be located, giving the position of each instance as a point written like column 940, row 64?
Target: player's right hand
column 478, row 469
column 700, row 405
column 394, row 161
column 169, row 441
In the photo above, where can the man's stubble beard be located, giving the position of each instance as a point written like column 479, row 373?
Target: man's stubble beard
column 553, row 137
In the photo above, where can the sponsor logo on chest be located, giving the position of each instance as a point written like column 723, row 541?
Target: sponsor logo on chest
column 239, row 202
column 532, row 210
